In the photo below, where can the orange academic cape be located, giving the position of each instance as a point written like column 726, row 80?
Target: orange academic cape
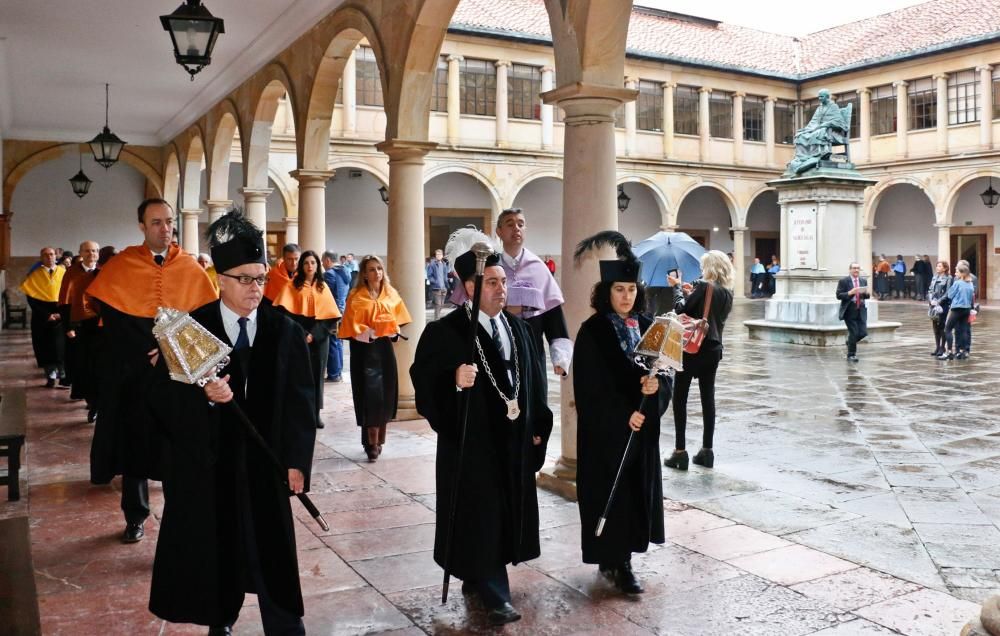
column 361, row 313
column 74, row 283
column 308, row 301
column 277, row 279
column 134, row 284
column 42, row 286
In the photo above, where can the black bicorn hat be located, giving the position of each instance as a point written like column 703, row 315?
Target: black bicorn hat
column 235, row 241
column 624, row 269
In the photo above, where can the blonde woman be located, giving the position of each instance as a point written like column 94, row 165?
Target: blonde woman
column 717, row 276
column 373, row 316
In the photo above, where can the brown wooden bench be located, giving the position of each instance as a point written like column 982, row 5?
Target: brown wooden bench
column 13, row 418
column 18, row 595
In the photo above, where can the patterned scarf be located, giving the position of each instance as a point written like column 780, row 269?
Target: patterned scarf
column 627, row 330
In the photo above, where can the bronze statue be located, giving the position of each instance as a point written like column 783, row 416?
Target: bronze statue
column 829, row 126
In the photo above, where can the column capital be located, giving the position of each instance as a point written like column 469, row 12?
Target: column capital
column 220, row 203
column 940, row 76
column 985, row 67
column 404, row 150
column 900, row 83
column 631, row 81
column 738, row 229
column 668, row 85
column 740, row 94
column 455, row 58
column 503, row 64
column 943, row 226
column 705, row 89
column 869, row 228
column 255, row 193
column 864, row 91
column 669, row 228
column 771, row 98
column 313, row 178
column 586, row 101
column 291, row 220
column 190, row 212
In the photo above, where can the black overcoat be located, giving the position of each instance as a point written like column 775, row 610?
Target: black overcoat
column 497, row 518
column 607, row 389
column 199, row 573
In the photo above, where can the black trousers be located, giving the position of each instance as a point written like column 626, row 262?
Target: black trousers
column 135, row 499
column 856, row 329
column 494, row 589
column 704, row 365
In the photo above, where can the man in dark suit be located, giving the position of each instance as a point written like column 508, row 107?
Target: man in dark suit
column 852, row 292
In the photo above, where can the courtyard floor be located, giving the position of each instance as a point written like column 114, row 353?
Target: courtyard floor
column 846, row 499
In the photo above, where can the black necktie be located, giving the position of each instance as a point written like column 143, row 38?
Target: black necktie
column 159, row 259
column 242, row 340
column 496, row 337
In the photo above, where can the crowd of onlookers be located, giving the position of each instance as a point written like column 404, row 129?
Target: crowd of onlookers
column 762, row 279
column 891, row 278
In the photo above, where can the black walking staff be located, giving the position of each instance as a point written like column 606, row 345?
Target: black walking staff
column 482, row 252
column 195, row 356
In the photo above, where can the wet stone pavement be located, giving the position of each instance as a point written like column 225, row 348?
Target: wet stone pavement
column 846, row 499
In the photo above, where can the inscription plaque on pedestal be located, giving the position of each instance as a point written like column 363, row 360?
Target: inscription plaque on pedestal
column 802, row 238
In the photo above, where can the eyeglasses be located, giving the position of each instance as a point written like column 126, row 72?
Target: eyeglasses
column 246, row 280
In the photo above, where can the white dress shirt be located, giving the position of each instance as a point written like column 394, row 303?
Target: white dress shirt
column 230, row 320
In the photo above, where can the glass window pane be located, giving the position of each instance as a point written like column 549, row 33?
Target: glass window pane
column 686, row 110
column 720, row 115
column 753, row 118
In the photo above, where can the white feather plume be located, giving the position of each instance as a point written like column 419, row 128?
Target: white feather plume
column 462, row 240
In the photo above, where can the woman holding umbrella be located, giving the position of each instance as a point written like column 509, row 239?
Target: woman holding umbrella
column 609, row 388
column 717, row 280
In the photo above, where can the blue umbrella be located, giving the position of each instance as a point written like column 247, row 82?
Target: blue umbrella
column 665, row 251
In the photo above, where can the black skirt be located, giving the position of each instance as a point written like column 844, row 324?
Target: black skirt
column 374, row 381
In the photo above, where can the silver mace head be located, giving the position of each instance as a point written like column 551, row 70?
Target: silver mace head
column 482, row 252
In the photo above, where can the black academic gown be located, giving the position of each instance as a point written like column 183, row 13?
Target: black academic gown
column 607, row 389
column 199, row 573
column 319, row 349
column 124, row 442
column 374, row 381
column 497, row 518
column 47, row 339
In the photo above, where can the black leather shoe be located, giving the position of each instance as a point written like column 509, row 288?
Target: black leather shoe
column 503, row 615
column 625, row 580
column 319, row 423
column 852, row 358
column 133, row 533
column 225, row 630
column 678, row 460
column 51, row 382
column 705, row 457
column 92, row 415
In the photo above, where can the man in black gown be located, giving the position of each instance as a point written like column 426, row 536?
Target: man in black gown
column 508, row 428
column 227, row 525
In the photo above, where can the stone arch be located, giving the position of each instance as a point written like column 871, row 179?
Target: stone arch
column 288, row 189
column 495, row 199
column 192, row 163
column 226, row 130
column 356, row 218
column 589, row 40
column 878, row 191
column 636, row 223
column 541, row 198
column 343, row 30
column 745, row 210
column 171, row 176
column 527, row 179
column 727, row 198
column 274, row 82
column 952, row 197
column 382, row 176
column 662, row 201
column 54, row 151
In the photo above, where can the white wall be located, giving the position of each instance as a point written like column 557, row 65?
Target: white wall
column 541, row 201
column 356, row 219
column 642, row 217
column 704, row 209
column 969, row 206
column 456, row 190
column 46, row 212
column 764, row 214
column 904, row 224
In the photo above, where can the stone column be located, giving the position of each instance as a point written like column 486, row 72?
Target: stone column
column 864, row 126
column 986, row 97
column 738, row 127
column 944, row 242
column 771, row 159
column 703, row 124
column 548, row 114
column 349, row 96
column 406, row 251
column 942, row 112
column 739, row 261
column 668, row 119
column 799, row 115
column 454, row 95
column 189, row 230
column 631, row 83
column 312, row 208
column 291, row 229
column 865, row 250
column 217, row 208
column 589, row 199
column 5, row 238
column 502, row 116
column 255, row 205
column 902, row 118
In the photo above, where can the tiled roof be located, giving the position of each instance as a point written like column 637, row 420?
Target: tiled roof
column 929, row 26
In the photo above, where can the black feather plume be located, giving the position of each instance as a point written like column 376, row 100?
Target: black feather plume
column 606, row 238
column 232, row 225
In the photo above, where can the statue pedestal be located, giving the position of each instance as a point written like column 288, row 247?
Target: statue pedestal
column 821, row 223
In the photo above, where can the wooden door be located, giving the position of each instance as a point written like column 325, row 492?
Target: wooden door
column 972, row 248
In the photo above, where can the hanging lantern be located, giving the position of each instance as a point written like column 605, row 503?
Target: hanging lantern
column 193, row 30
column 80, row 182
column 623, row 199
column 990, row 197
column 384, row 193
column 106, row 146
